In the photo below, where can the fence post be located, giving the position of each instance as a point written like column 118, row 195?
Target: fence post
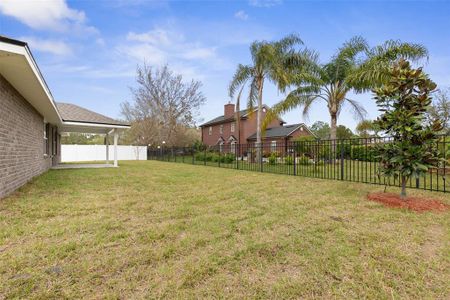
column 342, row 158
column 295, row 158
column 260, row 156
column 220, row 150
column 237, row 153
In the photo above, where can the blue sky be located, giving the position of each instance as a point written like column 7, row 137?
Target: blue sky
column 88, row 50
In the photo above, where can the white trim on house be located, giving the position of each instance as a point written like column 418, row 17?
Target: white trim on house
column 19, row 68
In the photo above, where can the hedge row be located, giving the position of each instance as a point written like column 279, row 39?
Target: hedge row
column 214, row 157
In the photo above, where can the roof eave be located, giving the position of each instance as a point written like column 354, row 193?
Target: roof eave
column 22, row 72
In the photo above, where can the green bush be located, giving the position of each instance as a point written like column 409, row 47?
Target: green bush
column 227, row 158
column 364, row 153
column 304, row 160
column 272, row 158
column 305, row 145
column 288, row 160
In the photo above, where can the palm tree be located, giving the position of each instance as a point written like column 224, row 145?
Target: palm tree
column 355, row 67
column 269, row 60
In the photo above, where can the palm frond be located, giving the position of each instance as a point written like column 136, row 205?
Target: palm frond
column 253, row 95
column 392, row 50
column 358, row 110
column 351, row 49
column 287, row 43
column 238, row 111
column 241, row 76
column 374, row 71
column 301, row 97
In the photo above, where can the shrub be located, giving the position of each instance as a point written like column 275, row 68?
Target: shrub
column 364, row 153
column 272, row 158
column 288, row 160
column 304, row 160
column 228, row 158
column 305, row 145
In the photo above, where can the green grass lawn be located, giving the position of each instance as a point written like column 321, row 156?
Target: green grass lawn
column 155, row 229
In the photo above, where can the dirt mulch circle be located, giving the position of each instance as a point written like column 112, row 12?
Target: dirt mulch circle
column 417, row 204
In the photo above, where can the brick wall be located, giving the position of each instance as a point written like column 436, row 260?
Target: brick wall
column 21, row 140
column 247, row 125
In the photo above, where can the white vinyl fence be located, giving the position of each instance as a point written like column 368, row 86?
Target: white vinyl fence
column 72, row 153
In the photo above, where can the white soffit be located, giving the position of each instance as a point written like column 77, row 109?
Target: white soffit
column 20, row 70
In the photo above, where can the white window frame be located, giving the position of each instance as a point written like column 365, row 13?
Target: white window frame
column 221, row 128
column 221, row 146
column 273, row 146
column 233, row 125
column 210, row 130
column 233, row 147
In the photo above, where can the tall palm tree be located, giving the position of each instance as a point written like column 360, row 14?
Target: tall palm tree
column 355, row 67
column 269, row 60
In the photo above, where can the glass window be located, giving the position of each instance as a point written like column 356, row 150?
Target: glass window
column 273, row 146
column 232, row 127
column 210, row 130
column 221, row 129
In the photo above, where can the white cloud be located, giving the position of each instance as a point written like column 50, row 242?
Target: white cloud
column 199, row 53
column 155, row 36
column 265, row 3
column 241, row 15
column 159, row 45
column 56, row 47
column 51, row 14
column 144, row 52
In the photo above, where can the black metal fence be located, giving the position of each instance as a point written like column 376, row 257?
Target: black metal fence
column 348, row 160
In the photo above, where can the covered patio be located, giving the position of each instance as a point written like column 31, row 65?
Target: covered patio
column 80, row 120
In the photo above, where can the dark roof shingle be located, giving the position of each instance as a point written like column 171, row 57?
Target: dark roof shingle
column 281, row 131
column 222, row 118
column 74, row 113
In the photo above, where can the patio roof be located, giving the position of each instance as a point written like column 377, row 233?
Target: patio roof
column 79, row 119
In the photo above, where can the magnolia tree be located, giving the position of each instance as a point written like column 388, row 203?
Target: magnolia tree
column 404, row 102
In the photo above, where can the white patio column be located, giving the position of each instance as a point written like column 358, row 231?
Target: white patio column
column 116, row 139
column 107, row 148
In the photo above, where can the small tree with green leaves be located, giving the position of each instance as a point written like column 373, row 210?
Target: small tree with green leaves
column 404, row 102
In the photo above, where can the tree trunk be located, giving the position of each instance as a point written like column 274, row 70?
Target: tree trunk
column 333, row 126
column 403, row 192
column 258, row 123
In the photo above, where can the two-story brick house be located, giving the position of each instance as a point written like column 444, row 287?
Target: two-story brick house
column 223, row 129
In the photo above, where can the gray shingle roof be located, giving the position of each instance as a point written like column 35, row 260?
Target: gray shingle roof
column 222, row 118
column 74, row 113
column 281, row 131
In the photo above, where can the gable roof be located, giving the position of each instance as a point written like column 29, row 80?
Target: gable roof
column 221, row 119
column 74, row 113
column 282, row 131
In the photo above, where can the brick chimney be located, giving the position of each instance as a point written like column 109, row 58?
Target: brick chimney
column 228, row 110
